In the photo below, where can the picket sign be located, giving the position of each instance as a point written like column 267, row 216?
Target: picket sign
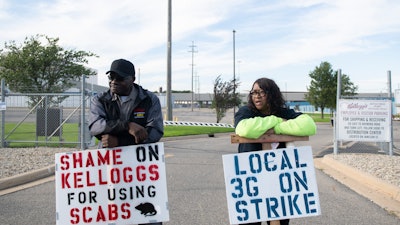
column 269, row 142
column 122, row 185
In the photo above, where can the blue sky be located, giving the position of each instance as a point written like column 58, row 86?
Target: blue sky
column 281, row 39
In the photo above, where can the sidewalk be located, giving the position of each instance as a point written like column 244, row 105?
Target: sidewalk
column 380, row 192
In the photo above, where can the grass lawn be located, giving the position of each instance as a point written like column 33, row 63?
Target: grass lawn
column 25, row 134
column 317, row 117
column 171, row 131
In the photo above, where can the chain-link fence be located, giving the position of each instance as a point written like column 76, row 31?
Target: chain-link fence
column 45, row 119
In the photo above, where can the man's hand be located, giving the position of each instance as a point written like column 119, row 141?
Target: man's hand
column 270, row 131
column 109, row 141
column 138, row 132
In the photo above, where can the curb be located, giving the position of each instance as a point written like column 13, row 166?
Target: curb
column 27, row 177
column 380, row 192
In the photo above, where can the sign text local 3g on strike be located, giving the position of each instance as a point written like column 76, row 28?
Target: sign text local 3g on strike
column 121, row 185
column 271, row 185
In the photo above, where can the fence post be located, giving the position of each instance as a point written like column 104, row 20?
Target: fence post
column 389, row 77
column 335, row 124
column 83, row 109
column 3, row 112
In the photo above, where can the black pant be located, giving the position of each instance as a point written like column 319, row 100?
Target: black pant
column 283, row 222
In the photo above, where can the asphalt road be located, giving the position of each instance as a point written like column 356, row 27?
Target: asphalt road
column 196, row 189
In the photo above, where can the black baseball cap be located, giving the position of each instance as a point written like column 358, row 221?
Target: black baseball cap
column 123, row 68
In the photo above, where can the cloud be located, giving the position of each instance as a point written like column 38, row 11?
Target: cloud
column 282, row 38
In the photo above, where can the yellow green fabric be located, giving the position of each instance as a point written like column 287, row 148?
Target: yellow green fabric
column 257, row 126
column 303, row 125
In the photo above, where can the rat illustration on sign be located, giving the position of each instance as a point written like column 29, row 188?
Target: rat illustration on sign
column 146, row 209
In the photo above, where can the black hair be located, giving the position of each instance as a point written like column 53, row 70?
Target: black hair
column 275, row 98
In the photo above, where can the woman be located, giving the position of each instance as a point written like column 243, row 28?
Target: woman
column 266, row 112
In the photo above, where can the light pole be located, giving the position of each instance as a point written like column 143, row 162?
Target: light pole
column 234, row 76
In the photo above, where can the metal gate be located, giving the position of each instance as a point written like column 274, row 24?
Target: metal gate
column 44, row 121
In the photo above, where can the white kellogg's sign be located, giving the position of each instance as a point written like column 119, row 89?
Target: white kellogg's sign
column 364, row 120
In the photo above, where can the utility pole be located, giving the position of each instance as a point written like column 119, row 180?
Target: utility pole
column 234, row 75
column 168, row 93
column 192, row 51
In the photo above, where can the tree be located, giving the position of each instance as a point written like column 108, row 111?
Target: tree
column 224, row 96
column 40, row 65
column 322, row 90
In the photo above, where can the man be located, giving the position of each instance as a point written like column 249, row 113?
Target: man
column 126, row 114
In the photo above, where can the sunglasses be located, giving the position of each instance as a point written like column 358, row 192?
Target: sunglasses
column 117, row 77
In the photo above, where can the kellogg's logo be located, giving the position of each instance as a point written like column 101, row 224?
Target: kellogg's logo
column 357, row 106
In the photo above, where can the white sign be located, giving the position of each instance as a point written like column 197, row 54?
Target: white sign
column 271, row 185
column 124, row 185
column 364, row 120
column 3, row 106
